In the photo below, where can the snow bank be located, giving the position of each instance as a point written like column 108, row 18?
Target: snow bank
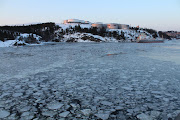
column 132, row 34
column 83, row 37
column 85, row 25
column 26, row 35
column 8, row 43
column 87, row 37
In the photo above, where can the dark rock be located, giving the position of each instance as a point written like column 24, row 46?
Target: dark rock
column 76, row 101
column 115, row 112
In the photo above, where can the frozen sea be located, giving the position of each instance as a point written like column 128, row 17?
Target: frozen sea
column 108, row 81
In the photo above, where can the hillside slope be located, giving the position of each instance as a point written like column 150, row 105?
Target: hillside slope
column 45, row 32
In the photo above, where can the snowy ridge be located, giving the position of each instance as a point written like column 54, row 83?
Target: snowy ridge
column 132, row 34
column 129, row 34
column 26, row 35
column 87, row 37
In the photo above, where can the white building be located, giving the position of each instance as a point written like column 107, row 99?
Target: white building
column 123, row 26
column 76, row 21
column 117, row 26
column 98, row 25
column 112, row 26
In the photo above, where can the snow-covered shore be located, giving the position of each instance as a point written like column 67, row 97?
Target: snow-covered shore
column 8, row 43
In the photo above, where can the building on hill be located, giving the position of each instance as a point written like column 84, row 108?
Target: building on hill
column 75, row 21
column 112, row 26
column 117, row 26
column 123, row 26
column 98, row 25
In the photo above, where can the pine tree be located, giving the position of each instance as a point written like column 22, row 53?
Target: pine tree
column 114, row 34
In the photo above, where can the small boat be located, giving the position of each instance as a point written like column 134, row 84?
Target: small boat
column 150, row 41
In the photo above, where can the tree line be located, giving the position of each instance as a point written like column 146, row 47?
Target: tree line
column 45, row 30
column 7, row 35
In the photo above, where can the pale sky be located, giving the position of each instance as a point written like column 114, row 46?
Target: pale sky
column 156, row 14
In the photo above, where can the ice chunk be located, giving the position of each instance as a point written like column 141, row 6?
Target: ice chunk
column 48, row 113
column 64, row 114
column 27, row 108
column 144, row 117
column 166, row 99
column 155, row 114
column 102, row 116
column 107, row 103
column 54, row 105
column 119, row 108
column 4, row 113
column 17, row 94
column 127, row 88
column 86, row 112
column 25, row 114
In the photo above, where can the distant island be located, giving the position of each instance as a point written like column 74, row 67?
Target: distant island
column 74, row 30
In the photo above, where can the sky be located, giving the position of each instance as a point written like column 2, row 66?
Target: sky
column 161, row 15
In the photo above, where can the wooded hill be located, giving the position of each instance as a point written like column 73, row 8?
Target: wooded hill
column 45, row 30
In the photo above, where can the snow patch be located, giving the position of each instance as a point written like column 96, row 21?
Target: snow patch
column 8, row 43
